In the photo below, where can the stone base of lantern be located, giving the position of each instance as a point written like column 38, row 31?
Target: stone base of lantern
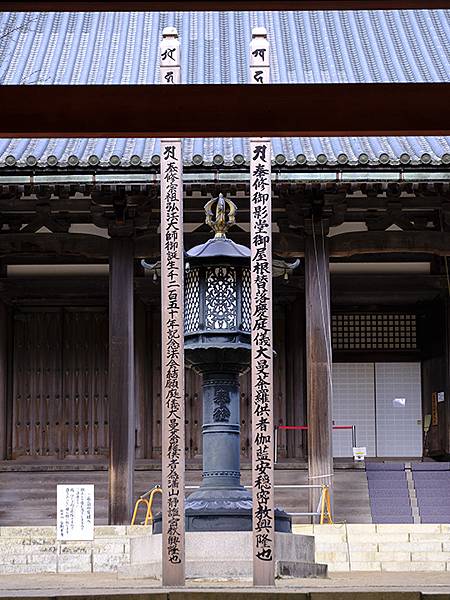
column 215, row 509
column 224, row 555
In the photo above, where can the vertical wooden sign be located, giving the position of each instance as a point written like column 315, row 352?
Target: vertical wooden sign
column 172, row 303
column 262, row 344
column 434, row 409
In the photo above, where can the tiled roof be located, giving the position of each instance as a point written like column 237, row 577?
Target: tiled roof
column 88, row 48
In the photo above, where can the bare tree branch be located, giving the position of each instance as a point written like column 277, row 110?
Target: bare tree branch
column 7, row 36
column 23, row 28
column 28, row 81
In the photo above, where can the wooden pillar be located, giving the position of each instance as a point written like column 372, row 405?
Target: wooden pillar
column 142, row 366
column 4, row 333
column 121, row 381
column 446, row 408
column 318, row 358
column 295, row 376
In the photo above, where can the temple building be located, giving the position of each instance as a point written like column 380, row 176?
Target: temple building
column 361, row 234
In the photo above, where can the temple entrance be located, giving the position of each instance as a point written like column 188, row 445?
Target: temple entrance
column 384, row 402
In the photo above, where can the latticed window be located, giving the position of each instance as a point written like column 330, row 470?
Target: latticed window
column 192, row 300
column 374, row 331
column 246, row 300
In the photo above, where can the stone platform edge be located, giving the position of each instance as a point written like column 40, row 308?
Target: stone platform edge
column 401, row 548
column 346, row 547
column 35, row 550
column 114, row 549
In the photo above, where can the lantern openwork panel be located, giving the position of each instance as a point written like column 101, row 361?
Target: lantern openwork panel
column 217, row 300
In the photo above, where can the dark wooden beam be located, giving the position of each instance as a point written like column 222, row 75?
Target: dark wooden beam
column 65, row 290
column 58, row 247
column 73, row 247
column 318, row 362
column 224, row 110
column 385, row 289
column 214, row 5
column 386, row 242
column 292, row 245
column 53, row 244
column 284, row 244
column 121, row 382
column 345, row 288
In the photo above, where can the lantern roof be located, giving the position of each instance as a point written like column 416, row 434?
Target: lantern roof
column 218, row 248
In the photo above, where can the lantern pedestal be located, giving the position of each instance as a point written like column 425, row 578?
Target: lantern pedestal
column 221, row 503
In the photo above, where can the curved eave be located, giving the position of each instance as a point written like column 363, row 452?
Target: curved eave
column 393, row 167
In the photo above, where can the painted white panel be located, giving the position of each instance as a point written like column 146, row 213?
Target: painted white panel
column 399, row 409
column 353, row 404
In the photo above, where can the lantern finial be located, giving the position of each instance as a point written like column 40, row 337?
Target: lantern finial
column 220, row 225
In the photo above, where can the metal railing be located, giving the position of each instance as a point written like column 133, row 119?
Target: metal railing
column 147, row 500
column 305, row 428
column 323, row 508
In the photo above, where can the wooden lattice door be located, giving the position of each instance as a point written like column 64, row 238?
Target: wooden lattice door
column 37, row 383
column 60, row 377
column 85, row 383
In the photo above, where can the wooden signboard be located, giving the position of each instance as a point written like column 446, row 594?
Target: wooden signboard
column 434, row 408
column 262, row 342
column 172, row 366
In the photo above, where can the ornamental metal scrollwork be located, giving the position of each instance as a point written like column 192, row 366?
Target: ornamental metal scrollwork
column 221, row 413
column 220, row 299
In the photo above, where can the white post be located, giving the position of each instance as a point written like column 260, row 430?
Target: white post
column 262, row 342
column 172, row 303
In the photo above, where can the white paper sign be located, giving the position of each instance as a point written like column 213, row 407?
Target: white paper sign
column 441, row 396
column 75, row 512
column 359, row 454
column 399, row 402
